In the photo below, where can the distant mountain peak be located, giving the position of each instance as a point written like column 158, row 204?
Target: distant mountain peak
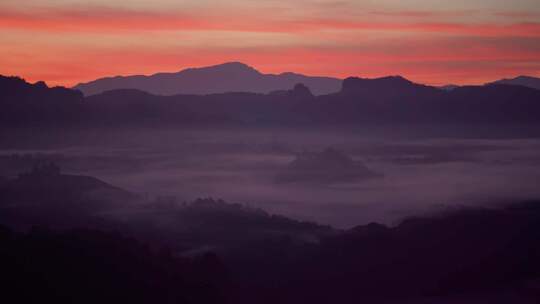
column 526, row 81
column 523, row 77
column 232, row 76
column 233, row 66
column 527, row 77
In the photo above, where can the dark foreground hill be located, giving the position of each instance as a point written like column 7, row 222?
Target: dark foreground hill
column 88, row 266
column 464, row 256
column 47, row 197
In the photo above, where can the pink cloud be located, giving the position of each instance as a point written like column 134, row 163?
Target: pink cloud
column 121, row 21
column 436, row 52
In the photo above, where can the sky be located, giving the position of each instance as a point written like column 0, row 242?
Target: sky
column 64, row 42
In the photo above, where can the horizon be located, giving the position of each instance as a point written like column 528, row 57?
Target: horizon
column 73, row 86
column 69, row 42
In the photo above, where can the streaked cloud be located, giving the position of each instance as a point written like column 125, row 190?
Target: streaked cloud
column 67, row 41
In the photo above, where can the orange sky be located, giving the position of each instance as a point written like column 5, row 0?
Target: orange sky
column 68, row 41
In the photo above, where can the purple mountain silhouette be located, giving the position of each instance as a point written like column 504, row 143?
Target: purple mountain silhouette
column 392, row 99
column 525, row 81
column 227, row 77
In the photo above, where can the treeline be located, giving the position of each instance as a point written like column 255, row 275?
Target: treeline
column 211, row 251
column 85, row 266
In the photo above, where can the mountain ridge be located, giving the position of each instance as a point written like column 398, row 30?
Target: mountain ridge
column 226, row 77
column 522, row 80
column 235, row 76
column 392, row 99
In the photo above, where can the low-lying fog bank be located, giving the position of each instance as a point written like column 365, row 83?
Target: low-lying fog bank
column 418, row 172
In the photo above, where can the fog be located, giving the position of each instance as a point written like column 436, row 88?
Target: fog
column 420, row 172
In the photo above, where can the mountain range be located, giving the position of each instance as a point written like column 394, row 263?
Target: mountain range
column 227, row 77
column 235, row 77
column 386, row 100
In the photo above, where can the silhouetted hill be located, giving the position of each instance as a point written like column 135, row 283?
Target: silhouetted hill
column 397, row 100
column 462, row 256
column 136, row 107
column 300, row 91
column 466, row 256
column 47, row 196
column 22, row 103
column 87, row 266
column 526, row 81
column 386, row 88
column 383, row 100
column 224, row 227
column 493, row 103
column 45, row 183
column 328, row 166
column 387, row 100
column 227, row 77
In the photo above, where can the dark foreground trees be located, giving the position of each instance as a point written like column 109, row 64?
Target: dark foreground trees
column 84, row 266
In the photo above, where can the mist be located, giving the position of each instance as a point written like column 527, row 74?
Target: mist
column 420, row 172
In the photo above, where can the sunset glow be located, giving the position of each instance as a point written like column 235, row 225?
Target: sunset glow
column 66, row 42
